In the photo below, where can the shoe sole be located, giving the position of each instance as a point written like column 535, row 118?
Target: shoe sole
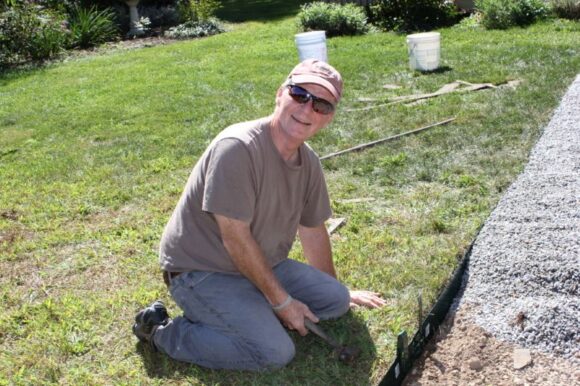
column 139, row 319
column 141, row 339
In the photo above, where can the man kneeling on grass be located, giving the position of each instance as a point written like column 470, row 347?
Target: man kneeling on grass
column 224, row 252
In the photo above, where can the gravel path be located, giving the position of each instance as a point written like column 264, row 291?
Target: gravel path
column 526, row 260
column 522, row 286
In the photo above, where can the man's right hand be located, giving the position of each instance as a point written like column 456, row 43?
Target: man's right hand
column 293, row 316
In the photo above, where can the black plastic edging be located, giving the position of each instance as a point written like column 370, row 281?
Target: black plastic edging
column 408, row 353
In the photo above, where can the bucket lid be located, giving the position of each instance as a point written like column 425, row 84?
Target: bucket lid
column 311, row 35
column 424, row 36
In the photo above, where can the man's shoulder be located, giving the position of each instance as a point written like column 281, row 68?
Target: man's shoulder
column 245, row 132
column 238, row 140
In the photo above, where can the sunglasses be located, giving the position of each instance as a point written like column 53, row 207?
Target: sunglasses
column 300, row 95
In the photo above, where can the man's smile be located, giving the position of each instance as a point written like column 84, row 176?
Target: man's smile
column 299, row 121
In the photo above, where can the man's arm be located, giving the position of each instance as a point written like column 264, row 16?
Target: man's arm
column 251, row 262
column 317, row 250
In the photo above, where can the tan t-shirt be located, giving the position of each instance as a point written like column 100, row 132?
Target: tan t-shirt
column 241, row 175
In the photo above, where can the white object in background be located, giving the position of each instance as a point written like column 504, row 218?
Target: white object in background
column 424, row 51
column 311, row 45
column 135, row 27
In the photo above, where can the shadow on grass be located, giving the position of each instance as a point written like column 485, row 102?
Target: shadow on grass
column 258, row 10
column 17, row 72
column 315, row 361
column 438, row 70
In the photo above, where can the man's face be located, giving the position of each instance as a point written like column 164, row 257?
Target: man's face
column 299, row 121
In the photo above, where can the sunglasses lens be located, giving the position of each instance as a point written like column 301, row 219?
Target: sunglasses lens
column 299, row 94
column 302, row 96
column 322, row 107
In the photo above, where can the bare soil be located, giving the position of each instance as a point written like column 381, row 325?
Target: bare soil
column 464, row 354
column 122, row 45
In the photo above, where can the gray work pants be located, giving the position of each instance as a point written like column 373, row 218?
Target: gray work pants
column 229, row 324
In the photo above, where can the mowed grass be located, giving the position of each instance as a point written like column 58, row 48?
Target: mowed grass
column 94, row 153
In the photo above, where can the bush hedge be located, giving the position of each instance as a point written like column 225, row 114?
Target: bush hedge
column 36, row 30
column 335, row 19
column 567, row 9
column 30, row 33
column 501, row 14
column 197, row 10
column 412, row 15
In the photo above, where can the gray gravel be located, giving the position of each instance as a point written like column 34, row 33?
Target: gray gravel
column 526, row 259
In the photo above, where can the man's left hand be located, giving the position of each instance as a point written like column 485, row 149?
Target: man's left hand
column 366, row 298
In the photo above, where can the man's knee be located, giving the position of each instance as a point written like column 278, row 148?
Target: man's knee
column 343, row 300
column 279, row 355
column 338, row 297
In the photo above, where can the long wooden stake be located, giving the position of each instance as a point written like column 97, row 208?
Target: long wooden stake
column 373, row 143
column 446, row 89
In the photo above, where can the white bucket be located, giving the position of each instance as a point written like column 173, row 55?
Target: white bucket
column 311, row 45
column 424, row 51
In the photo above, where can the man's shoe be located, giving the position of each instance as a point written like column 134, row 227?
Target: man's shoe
column 148, row 320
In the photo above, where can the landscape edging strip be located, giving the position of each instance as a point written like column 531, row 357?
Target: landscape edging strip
column 406, row 355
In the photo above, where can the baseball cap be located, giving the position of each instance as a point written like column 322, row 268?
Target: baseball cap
column 320, row 73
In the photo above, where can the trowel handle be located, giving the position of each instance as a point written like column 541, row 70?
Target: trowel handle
column 320, row 332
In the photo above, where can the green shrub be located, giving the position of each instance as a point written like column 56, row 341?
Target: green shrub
column 55, row 5
column 30, row 33
column 333, row 18
column 501, row 14
column 412, row 15
column 91, row 26
column 49, row 40
column 195, row 29
column 526, row 12
column 496, row 14
column 197, row 10
column 471, row 22
column 567, row 9
column 7, row 3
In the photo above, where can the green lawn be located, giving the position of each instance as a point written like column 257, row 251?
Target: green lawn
column 94, row 153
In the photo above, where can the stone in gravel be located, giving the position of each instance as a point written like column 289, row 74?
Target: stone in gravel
column 475, row 364
column 522, row 358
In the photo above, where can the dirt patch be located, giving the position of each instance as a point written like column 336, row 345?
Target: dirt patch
column 139, row 43
column 122, row 45
column 9, row 237
column 75, row 270
column 9, row 214
column 13, row 234
column 462, row 353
